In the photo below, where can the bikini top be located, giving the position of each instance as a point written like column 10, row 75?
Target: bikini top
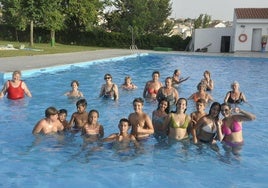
column 237, row 101
column 92, row 130
column 152, row 91
column 173, row 123
column 209, row 128
column 227, row 130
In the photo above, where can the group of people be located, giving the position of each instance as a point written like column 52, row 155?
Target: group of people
column 164, row 124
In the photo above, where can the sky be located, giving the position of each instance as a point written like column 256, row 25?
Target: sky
column 217, row 9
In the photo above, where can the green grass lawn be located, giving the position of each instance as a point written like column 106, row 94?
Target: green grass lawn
column 41, row 48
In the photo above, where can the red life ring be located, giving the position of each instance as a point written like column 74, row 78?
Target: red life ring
column 243, row 38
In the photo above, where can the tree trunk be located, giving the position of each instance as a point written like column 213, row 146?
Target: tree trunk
column 52, row 37
column 31, row 34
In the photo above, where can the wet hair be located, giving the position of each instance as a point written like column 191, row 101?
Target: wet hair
column 127, row 78
column 176, row 71
column 124, row 120
column 203, row 101
column 212, row 105
column 107, row 74
column 62, row 111
column 226, row 104
column 51, row 111
column 168, row 78
column 140, row 100
column 207, row 72
column 167, row 109
column 156, row 72
column 94, row 111
column 16, row 72
column 200, row 84
column 82, row 102
column 234, row 83
column 75, row 81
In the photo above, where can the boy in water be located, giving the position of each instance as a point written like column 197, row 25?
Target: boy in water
column 196, row 115
column 62, row 117
column 123, row 138
column 142, row 126
column 80, row 117
column 49, row 124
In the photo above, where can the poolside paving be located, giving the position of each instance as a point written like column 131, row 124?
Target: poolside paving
column 9, row 64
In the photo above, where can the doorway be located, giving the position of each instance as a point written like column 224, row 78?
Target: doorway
column 225, row 44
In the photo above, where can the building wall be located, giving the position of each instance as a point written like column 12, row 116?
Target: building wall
column 246, row 26
column 204, row 37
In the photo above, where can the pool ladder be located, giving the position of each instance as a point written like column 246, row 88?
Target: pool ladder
column 134, row 49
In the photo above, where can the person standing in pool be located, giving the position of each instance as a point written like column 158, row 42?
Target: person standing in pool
column 49, row 124
column 79, row 118
column 92, row 130
column 168, row 92
column 158, row 117
column 15, row 88
column 62, row 117
column 177, row 122
column 128, row 85
column 151, row 87
column 176, row 80
column 141, row 123
column 207, row 128
column 122, row 139
column 235, row 96
column 231, row 129
column 109, row 90
column 74, row 93
column 208, row 81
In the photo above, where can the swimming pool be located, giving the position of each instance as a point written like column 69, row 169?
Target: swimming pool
column 52, row 161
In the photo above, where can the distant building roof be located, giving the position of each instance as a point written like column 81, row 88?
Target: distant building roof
column 251, row 13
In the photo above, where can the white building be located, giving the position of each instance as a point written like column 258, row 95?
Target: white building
column 249, row 30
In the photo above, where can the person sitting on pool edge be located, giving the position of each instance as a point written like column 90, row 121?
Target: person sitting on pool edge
column 49, row 124
column 15, row 88
column 142, row 126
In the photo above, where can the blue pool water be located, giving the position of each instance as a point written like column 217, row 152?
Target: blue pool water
column 51, row 161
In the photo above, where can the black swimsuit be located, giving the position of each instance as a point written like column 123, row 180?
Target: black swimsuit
column 232, row 101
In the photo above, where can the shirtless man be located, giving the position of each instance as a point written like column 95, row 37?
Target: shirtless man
column 49, row 124
column 141, row 123
column 79, row 118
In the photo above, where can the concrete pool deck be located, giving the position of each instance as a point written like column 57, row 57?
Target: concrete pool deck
column 9, row 64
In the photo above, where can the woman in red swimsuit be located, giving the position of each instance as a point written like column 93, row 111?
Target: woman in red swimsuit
column 231, row 129
column 15, row 88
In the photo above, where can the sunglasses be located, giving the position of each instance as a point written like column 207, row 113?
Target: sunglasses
column 106, row 78
column 225, row 110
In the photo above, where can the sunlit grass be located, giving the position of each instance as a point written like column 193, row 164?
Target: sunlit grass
column 41, row 48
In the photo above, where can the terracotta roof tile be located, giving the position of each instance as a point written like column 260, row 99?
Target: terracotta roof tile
column 251, row 13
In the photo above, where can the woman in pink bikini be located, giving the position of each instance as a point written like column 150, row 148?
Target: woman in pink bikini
column 15, row 88
column 232, row 137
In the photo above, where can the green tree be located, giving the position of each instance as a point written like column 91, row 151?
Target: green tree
column 13, row 15
column 202, row 21
column 145, row 16
column 52, row 19
column 81, row 15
